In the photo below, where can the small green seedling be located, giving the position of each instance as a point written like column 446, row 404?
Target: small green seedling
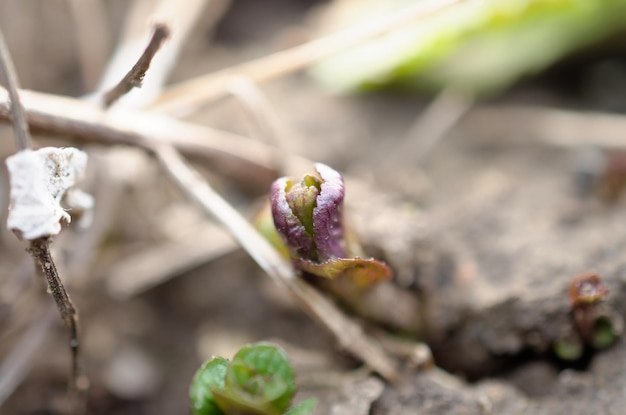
column 258, row 381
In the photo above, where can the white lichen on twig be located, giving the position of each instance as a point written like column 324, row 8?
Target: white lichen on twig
column 39, row 180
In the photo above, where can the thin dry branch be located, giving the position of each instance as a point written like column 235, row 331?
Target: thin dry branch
column 263, row 118
column 253, row 161
column 134, row 77
column 244, row 159
column 349, row 334
column 188, row 95
column 40, row 248
column 16, row 110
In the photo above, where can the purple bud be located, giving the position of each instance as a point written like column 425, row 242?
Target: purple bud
column 308, row 214
column 299, row 241
column 328, row 215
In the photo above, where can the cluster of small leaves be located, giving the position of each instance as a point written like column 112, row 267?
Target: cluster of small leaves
column 309, row 225
column 258, row 381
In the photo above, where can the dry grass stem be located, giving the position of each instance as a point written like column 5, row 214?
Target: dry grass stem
column 156, row 265
column 16, row 364
column 16, row 110
column 439, row 118
column 349, row 334
column 253, row 161
column 189, row 95
column 263, row 119
column 239, row 157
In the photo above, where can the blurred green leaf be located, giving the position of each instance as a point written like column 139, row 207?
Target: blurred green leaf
column 303, row 408
column 480, row 47
column 209, row 377
column 262, row 374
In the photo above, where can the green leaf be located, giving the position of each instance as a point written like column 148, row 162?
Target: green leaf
column 364, row 272
column 481, row 49
column 303, row 408
column 603, row 333
column 208, row 378
column 260, row 380
column 302, row 199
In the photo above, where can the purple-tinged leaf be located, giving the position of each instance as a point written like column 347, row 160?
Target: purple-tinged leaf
column 299, row 241
column 328, row 215
column 363, row 272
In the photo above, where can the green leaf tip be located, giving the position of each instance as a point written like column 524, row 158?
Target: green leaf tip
column 303, row 408
column 208, row 378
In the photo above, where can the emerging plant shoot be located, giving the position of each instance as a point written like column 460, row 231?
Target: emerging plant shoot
column 258, row 381
column 308, row 215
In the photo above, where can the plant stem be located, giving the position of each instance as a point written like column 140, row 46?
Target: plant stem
column 134, row 77
column 40, row 250
column 9, row 79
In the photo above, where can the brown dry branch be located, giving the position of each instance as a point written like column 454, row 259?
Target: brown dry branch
column 134, row 77
column 40, row 248
column 189, row 95
column 134, row 36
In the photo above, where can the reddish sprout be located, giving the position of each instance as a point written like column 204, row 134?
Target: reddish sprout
column 586, row 289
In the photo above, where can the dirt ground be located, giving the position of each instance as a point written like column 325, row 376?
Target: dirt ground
column 486, row 232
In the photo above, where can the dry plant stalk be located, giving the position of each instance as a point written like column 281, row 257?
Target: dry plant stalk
column 40, row 246
column 134, row 77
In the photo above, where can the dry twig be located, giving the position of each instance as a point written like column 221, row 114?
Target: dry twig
column 236, row 156
column 17, row 113
column 263, row 119
column 40, row 248
column 134, row 77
